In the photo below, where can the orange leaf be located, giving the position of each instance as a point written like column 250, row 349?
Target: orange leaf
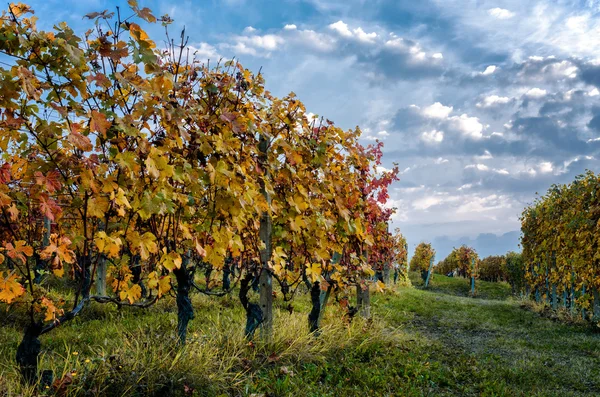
column 10, row 288
column 99, row 123
column 80, row 141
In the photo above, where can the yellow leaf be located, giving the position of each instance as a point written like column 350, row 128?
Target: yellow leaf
column 144, row 245
column 10, row 288
column 108, row 245
column 140, row 35
column 171, row 261
column 314, row 271
column 132, row 294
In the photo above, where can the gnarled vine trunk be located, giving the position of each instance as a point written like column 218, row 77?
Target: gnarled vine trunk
column 28, row 352
column 254, row 315
column 185, row 311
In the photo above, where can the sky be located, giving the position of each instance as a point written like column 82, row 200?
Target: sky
column 480, row 103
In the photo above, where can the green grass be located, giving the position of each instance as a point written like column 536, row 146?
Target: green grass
column 462, row 287
column 420, row 342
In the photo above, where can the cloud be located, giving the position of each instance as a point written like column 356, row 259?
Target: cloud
column 493, row 100
column 469, row 127
column 536, row 93
column 359, row 34
column 501, row 13
column 489, row 70
column 437, row 111
column 432, row 137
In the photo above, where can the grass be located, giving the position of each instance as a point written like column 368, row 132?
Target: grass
column 420, row 342
column 461, row 287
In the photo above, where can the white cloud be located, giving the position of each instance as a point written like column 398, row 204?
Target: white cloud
column 205, row 51
column 501, row 13
column 311, row 39
column 290, row 27
column 468, row 126
column 546, row 167
column 480, row 167
column 441, row 160
column 413, row 50
column 536, row 93
column 341, row 28
column 383, row 133
column 249, row 29
column 489, row 70
column 426, row 202
column 432, row 137
column 359, row 34
column 437, row 111
column 268, row 42
column 492, row 100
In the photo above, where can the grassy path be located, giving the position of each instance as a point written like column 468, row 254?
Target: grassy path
column 495, row 347
column 436, row 342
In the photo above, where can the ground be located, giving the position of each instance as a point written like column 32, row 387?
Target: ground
column 420, row 342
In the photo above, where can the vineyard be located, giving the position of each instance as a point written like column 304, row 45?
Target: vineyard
column 170, row 227
column 560, row 247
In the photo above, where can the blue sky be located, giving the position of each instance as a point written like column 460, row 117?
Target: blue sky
column 481, row 103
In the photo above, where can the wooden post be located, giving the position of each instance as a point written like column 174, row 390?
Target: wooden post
column 429, row 271
column 265, row 280
column 572, row 292
column 554, row 297
column 596, row 305
column 386, row 273
column 547, row 285
column 583, row 314
column 473, row 277
column 363, row 297
column 363, row 301
column 101, row 270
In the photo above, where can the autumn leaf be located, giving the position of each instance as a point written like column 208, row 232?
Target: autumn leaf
column 144, row 244
column 99, row 123
column 131, row 294
column 161, row 284
column 79, row 140
column 5, row 173
column 107, row 245
column 313, row 271
column 50, row 181
column 51, row 310
column 10, row 288
column 171, row 260
column 140, row 35
column 19, row 250
column 19, row 9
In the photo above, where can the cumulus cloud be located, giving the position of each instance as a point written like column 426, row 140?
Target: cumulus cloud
column 536, row 93
column 469, row 127
column 433, row 136
column 437, row 111
column 492, row 100
column 489, row 70
column 359, row 34
column 501, row 13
